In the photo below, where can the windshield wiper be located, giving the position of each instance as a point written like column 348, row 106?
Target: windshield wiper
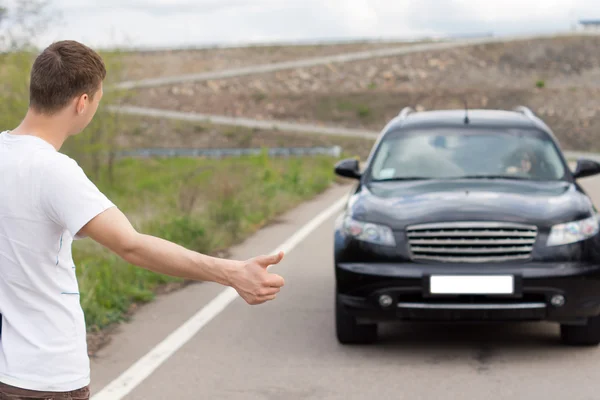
column 482, row 176
column 402, row 178
column 513, row 177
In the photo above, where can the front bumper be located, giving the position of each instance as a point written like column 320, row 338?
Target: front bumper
column 360, row 286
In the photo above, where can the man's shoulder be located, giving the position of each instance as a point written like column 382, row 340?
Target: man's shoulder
column 56, row 161
column 55, row 165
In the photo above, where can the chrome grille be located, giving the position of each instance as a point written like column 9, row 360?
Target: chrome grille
column 471, row 241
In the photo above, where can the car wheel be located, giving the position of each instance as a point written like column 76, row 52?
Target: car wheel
column 349, row 331
column 586, row 335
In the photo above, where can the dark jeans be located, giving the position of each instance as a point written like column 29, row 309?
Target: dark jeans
column 13, row 393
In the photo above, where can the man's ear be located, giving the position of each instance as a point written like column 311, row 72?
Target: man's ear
column 81, row 103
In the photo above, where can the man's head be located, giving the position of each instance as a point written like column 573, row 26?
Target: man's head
column 66, row 83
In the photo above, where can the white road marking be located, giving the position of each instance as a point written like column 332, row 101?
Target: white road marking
column 139, row 371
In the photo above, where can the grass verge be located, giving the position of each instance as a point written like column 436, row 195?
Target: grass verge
column 201, row 204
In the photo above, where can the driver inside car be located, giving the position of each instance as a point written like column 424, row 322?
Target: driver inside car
column 523, row 165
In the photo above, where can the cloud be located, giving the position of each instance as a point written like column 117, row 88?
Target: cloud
column 159, row 7
column 186, row 22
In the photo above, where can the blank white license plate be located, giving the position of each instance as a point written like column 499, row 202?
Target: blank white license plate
column 466, row 284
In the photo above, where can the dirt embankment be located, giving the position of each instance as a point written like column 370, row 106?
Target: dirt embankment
column 152, row 64
column 558, row 78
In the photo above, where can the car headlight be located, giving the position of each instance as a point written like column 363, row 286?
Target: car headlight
column 572, row 232
column 368, row 232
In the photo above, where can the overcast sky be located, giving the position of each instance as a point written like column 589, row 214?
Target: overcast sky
column 160, row 23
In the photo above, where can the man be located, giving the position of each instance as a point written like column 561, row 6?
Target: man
column 46, row 201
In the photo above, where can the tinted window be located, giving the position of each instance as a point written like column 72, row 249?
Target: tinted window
column 452, row 153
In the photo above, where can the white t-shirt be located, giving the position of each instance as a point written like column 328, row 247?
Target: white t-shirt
column 45, row 199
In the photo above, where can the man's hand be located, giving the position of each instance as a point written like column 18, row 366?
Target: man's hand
column 250, row 278
column 254, row 283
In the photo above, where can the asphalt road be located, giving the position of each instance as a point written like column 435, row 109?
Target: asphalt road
column 287, row 349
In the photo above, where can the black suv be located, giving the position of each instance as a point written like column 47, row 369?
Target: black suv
column 467, row 216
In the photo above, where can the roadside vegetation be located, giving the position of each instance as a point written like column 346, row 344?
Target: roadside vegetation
column 204, row 205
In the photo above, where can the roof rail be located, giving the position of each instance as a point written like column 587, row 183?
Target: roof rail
column 525, row 111
column 405, row 111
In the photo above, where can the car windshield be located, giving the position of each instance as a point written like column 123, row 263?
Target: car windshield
column 469, row 153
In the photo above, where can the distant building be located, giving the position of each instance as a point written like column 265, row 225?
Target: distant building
column 590, row 24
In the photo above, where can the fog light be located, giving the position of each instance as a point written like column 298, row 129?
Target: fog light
column 558, row 300
column 385, row 300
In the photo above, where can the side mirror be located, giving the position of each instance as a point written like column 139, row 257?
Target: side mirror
column 348, row 168
column 586, row 168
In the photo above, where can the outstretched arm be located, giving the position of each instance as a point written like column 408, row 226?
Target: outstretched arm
column 249, row 278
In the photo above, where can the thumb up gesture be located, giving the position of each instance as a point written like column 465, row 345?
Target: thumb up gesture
column 254, row 283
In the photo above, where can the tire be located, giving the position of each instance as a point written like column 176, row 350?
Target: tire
column 348, row 331
column 586, row 335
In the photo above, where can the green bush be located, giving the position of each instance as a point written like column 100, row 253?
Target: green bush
column 363, row 112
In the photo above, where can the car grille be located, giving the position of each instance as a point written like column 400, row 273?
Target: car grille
column 471, row 241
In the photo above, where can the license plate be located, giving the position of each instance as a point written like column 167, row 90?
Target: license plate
column 476, row 284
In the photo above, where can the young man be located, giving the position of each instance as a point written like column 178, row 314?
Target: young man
column 46, row 201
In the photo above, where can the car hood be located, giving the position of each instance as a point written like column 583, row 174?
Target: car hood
column 398, row 204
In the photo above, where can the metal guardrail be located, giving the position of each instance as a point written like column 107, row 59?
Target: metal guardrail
column 334, row 151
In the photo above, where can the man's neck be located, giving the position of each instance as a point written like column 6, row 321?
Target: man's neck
column 46, row 128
